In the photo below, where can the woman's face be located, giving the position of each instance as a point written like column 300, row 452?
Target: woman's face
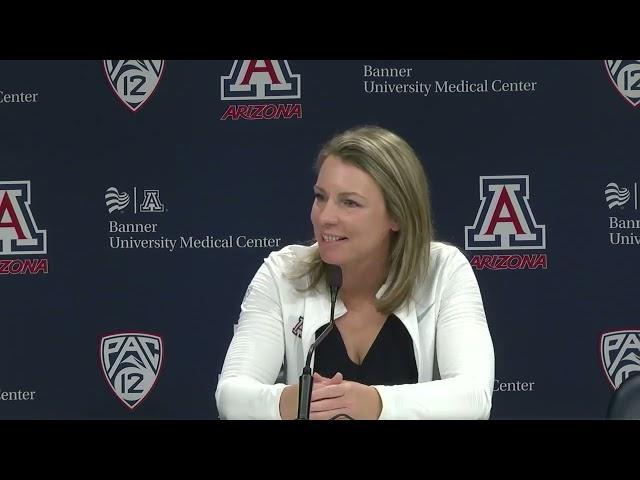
column 349, row 218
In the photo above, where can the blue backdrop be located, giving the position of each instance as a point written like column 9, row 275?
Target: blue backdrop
column 139, row 197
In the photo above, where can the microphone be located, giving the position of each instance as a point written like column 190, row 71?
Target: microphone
column 334, row 280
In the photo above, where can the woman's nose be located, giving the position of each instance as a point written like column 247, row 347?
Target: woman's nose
column 328, row 214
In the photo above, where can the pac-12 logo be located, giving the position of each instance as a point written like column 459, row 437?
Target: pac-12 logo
column 130, row 364
column 625, row 76
column 261, row 80
column 620, row 355
column 504, row 221
column 133, row 81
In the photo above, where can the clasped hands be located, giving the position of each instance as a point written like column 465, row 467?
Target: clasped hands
column 338, row 399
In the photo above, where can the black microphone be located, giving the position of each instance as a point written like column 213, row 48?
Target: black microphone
column 334, row 280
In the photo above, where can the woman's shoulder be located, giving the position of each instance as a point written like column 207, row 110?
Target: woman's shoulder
column 446, row 261
column 290, row 264
column 290, row 256
column 443, row 249
column 445, row 256
column 289, row 267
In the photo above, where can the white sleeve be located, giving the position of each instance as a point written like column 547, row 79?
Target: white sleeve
column 464, row 353
column 246, row 387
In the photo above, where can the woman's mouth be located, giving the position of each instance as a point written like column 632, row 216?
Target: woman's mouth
column 332, row 238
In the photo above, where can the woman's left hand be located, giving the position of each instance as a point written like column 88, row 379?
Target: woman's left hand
column 343, row 400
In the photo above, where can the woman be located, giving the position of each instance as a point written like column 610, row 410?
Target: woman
column 411, row 339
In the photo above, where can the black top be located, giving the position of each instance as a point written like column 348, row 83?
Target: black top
column 389, row 361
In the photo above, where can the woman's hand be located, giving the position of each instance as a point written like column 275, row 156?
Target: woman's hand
column 336, row 398
column 289, row 398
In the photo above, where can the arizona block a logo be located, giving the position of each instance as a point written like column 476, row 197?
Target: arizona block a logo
column 505, row 222
column 266, row 80
column 504, row 219
column 19, row 233
column 260, row 80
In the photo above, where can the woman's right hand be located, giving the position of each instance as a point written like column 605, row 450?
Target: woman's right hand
column 289, row 397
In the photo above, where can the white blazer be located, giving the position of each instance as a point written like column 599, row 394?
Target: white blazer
column 445, row 318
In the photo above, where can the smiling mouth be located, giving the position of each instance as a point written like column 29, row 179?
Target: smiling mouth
column 332, row 238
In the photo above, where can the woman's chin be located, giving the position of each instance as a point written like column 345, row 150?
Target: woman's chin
column 330, row 257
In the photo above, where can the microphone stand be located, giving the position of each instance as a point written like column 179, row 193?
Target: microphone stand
column 305, row 387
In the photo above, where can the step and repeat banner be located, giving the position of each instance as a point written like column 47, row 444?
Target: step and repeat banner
column 139, row 197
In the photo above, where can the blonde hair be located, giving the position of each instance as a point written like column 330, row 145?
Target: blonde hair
column 395, row 168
